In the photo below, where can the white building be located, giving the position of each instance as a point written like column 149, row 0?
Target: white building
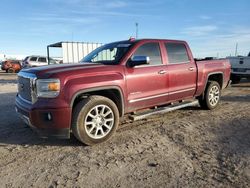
column 11, row 56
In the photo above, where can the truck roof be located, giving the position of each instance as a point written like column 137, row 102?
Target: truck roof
column 132, row 40
column 149, row 39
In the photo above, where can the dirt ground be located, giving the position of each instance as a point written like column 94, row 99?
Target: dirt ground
column 186, row 148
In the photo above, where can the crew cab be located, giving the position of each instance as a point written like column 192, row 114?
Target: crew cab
column 118, row 78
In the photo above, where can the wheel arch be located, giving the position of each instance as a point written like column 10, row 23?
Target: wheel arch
column 114, row 93
column 215, row 76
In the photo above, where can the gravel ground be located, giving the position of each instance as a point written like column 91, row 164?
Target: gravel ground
column 186, row 148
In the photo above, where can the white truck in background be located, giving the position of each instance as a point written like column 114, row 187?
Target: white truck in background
column 240, row 68
column 36, row 61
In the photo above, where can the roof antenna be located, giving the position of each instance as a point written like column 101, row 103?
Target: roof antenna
column 136, row 30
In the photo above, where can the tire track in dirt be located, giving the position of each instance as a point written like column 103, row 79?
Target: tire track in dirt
column 185, row 148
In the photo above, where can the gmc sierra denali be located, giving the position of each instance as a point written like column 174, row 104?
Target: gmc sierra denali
column 118, row 78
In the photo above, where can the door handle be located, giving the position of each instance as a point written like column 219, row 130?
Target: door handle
column 191, row 68
column 162, row 72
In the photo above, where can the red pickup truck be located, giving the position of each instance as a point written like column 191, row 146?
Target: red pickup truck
column 119, row 78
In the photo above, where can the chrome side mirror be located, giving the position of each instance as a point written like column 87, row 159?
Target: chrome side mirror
column 138, row 60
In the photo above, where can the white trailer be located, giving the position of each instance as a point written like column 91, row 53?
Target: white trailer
column 73, row 52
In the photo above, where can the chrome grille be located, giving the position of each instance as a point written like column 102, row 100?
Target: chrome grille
column 25, row 82
column 24, row 88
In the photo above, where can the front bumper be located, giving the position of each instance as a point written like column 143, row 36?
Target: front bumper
column 241, row 74
column 47, row 122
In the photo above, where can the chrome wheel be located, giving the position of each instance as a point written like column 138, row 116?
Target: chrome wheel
column 214, row 95
column 99, row 121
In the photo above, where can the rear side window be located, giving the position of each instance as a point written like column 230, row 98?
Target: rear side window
column 33, row 58
column 177, row 53
column 152, row 50
column 42, row 59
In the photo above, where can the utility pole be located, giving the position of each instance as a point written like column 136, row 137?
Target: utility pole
column 236, row 49
column 136, row 30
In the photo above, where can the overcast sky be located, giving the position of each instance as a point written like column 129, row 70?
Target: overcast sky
column 211, row 27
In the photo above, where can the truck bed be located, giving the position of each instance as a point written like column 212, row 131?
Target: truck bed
column 207, row 67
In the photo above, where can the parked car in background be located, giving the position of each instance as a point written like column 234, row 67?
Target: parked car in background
column 240, row 67
column 11, row 66
column 36, row 61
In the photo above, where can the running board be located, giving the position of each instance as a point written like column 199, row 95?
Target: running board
column 164, row 110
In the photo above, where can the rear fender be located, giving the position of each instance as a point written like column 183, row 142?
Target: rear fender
column 214, row 76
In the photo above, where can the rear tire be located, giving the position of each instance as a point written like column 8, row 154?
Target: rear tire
column 95, row 120
column 211, row 97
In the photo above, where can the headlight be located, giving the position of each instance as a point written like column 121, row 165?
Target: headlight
column 47, row 88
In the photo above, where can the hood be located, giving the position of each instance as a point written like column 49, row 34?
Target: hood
column 62, row 68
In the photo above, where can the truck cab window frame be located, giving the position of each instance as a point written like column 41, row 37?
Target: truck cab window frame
column 151, row 50
column 177, row 53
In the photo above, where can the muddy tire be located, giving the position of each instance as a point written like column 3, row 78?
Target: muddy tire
column 95, row 120
column 211, row 96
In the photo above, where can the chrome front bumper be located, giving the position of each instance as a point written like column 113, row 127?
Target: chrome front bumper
column 25, row 119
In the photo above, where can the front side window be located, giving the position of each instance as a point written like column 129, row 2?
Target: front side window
column 177, row 53
column 152, row 50
column 33, row 58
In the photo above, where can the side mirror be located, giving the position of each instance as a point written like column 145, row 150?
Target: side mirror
column 138, row 60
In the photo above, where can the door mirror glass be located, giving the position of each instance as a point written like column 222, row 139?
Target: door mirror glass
column 138, row 60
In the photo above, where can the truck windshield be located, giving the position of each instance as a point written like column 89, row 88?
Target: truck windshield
column 109, row 54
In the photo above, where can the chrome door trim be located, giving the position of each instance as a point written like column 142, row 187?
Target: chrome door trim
column 180, row 91
column 161, row 95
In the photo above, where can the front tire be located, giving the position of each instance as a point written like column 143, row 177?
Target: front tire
column 10, row 70
column 211, row 97
column 95, row 120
